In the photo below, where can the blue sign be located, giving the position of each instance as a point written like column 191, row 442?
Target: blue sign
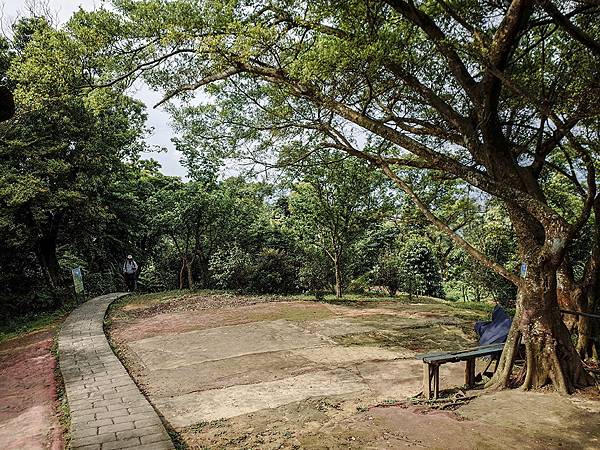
column 523, row 270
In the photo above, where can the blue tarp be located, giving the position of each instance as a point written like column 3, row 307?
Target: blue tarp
column 496, row 331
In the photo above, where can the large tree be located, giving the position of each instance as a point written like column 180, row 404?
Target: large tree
column 60, row 152
column 485, row 91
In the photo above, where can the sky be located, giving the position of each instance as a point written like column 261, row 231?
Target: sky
column 158, row 119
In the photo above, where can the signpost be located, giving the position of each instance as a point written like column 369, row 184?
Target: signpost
column 78, row 283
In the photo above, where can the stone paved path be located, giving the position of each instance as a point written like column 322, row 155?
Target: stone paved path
column 107, row 409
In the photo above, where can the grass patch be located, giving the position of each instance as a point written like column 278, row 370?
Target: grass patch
column 144, row 301
column 17, row 326
column 63, row 411
column 155, row 298
column 485, row 307
column 429, row 337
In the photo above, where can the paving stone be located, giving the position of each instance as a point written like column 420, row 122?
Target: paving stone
column 112, row 414
column 137, row 417
column 163, row 445
column 116, row 427
column 99, row 423
column 145, row 422
column 151, row 438
column 107, row 409
column 138, row 432
column 122, row 443
column 99, row 439
column 82, row 432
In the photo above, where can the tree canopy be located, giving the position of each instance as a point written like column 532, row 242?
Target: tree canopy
column 479, row 107
column 493, row 93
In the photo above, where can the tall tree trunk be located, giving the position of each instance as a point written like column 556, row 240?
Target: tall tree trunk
column 590, row 299
column 588, row 329
column 182, row 271
column 337, row 262
column 190, row 275
column 582, row 297
column 204, row 272
column 46, row 252
column 550, row 356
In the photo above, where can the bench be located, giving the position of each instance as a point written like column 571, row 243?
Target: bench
column 433, row 361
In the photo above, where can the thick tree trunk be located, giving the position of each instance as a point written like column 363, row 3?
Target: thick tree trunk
column 203, row 270
column 581, row 297
column 550, row 356
column 588, row 329
column 569, row 295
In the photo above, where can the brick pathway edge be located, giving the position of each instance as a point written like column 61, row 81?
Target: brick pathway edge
column 107, row 409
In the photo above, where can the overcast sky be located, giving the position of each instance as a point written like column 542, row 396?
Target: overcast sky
column 158, row 119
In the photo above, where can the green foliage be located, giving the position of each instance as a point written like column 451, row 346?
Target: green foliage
column 316, row 272
column 492, row 233
column 271, row 271
column 332, row 205
column 388, row 272
column 231, row 268
column 419, row 271
column 59, row 160
column 409, row 266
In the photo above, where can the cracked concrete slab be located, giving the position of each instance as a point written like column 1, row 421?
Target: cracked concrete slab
column 346, row 355
column 193, row 347
column 223, row 373
column 205, row 406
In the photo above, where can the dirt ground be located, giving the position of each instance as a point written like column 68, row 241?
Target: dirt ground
column 28, row 393
column 236, row 372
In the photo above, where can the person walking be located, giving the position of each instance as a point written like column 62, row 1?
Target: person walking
column 130, row 269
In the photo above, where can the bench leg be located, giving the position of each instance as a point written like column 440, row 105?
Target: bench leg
column 431, row 381
column 427, row 381
column 436, row 381
column 470, row 372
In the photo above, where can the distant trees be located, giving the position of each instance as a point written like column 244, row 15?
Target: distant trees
column 492, row 231
column 332, row 204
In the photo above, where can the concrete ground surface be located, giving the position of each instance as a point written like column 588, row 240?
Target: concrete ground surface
column 234, row 372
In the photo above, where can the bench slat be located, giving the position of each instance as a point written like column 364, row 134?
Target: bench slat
column 487, row 350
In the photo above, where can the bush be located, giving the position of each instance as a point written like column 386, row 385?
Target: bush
column 274, row 271
column 360, row 285
column 230, row 268
column 419, row 270
column 411, row 268
column 316, row 274
column 271, row 271
column 101, row 282
column 388, row 272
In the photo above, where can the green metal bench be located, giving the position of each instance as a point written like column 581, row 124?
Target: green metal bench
column 433, row 361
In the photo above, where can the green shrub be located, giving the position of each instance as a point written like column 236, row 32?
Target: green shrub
column 270, row 271
column 273, row 271
column 316, row 274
